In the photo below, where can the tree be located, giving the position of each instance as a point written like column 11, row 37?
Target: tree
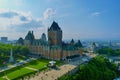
column 18, row 52
column 96, row 69
column 109, row 51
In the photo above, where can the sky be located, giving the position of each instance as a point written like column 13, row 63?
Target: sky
column 79, row 19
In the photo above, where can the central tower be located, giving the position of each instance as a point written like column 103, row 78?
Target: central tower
column 55, row 34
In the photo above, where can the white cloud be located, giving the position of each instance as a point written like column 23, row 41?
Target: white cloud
column 17, row 22
column 49, row 12
column 96, row 14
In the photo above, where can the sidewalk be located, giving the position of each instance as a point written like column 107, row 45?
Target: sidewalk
column 55, row 74
column 15, row 65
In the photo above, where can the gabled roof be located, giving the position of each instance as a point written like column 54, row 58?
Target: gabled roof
column 72, row 41
column 29, row 36
column 54, row 26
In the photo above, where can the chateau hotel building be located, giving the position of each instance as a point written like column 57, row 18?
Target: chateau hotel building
column 54, row 47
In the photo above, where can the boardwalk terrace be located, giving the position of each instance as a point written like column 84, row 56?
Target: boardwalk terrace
column 54, row 47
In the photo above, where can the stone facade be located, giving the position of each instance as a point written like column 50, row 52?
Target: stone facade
column 54, row 48
column 55, row 34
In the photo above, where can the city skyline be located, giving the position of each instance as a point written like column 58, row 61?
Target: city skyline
column 79, row 19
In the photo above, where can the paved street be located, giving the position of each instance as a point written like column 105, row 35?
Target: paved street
column 16, row 64
column 55, row 74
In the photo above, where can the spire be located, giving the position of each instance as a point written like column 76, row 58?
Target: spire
column 43, row 37
column 32, row 32
column 79, row 43
column 11, row 56
column 29, row 36
column 72, row 42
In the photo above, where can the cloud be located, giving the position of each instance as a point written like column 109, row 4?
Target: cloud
column 23, row 18
column 96, row 14
column 15, row 24
column 30, row 25
column 18, row 21
column 8, row 14
column 49, row 12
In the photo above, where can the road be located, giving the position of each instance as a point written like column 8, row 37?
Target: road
column 55, row 74
column 16, row 64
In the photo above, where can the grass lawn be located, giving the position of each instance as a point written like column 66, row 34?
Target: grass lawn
column 2, row 78
column 20, row 57
column 21, row 71
column 42, row 63
column 58, row 63
column 6, row 60
column 17, row 73
column 38, row 64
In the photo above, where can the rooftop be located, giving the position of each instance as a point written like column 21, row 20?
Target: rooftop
column 54, row 26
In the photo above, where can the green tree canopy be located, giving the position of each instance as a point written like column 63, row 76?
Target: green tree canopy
column 97, row 68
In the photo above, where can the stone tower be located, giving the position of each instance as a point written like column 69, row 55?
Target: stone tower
column 55, row 34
